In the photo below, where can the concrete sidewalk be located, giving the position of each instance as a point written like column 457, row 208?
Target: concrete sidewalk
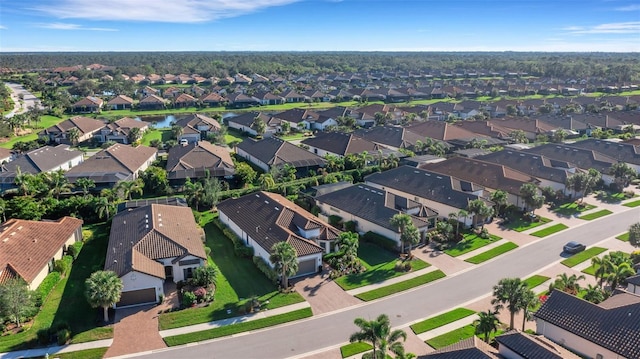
column 40, row 352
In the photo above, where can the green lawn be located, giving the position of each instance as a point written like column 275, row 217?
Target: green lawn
column 45, row 121
column 470, row 242
column 66, row 302
column 294, row 136
column 442, row 319
column 535, row 281
column 578, row 258
column 238, row 280
column 632, row 204
column 352, row 349
column 595, row 215
column 572, row 208
column 161, row 134
column 401, row 286
column 549, row 230
column 238, row 328
column 455, row 336
column 233, row 137
column 610, row 197
column 591, row 270
column 623, row 237
column 491, row 253
column 380, row 264
column 97, row 353
column 521, row 225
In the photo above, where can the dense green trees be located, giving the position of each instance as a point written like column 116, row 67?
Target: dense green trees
column 409, row 234
column 16, row 300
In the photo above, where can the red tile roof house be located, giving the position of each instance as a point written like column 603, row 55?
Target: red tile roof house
column 88, row 104
column 118, row 131
column 152, row 102
column 120, row 102
column 150, row 245
column 263, row 219
column 29, row 248
column 86, row 127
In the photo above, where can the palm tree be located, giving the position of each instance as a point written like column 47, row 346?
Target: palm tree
column 594, row 294
column 617, row 274
column 486, row 324
column 634, row 234
column 266, row 181
column 568, row 284
column 408, row 232
column 134, row 135
column 193, row 192
column 480, row 210
column 176, row 131
column 378, row 333
column 509, row 291
column 128, row 188
column 600, row 264
column 529, row 302
column 103, row 289
column 74, row 136
column 57, row 183
column 519, row 136
column 499, row 197
column 259, row 126
column 461, row 214
column 285, row 261
column 86, row 184
column 104, row 208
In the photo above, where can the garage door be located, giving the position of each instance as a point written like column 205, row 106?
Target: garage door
column 306, row 267
column 140, row 296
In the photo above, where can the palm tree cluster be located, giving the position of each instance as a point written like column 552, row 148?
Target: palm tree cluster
column 613, row 269
column 409, row 234
column 515, row 295
column 382, row 338
column 582, row 183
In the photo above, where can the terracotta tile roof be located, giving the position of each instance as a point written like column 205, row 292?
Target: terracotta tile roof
column 141, row 236
column 470, row 348
column 152, row 99
column 198, row 120
column 276, row 152
column 83, row 124
column 341, row 144
column 120, row 160
column 275, row 219
column 193, row 159
column 120, row 100
column 26, row 247
column 89, row 101
column 184, row 98
column 613, row 324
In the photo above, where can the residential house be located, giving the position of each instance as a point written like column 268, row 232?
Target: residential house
column 246, row 123
column 240, row 100
column 392, row 137
column 28, row 249
column 292, row 96
column 146, row 91
column 88, row 104
column 531, row 127
column 119, row 131
column 489, row 175
column 86, row 128
column 114, row 164
column 273, row 152
column 120, row 102
column 610, row 329
column 455, row 136
column 339, row 144
column 515, row 344
column 470, row 348
column 622, row 152
column 42, row 160
column 184, row 100
column 151, row 245
column 274, row 219
column 443, row 194
column 633, row 284
column 299, row 118
column 198, row 159
column 196, row 127
column 268, row 98
column 371, row 209
column 212, row 100
column 152, row 102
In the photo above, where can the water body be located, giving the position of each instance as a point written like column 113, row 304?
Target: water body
column 168, row 120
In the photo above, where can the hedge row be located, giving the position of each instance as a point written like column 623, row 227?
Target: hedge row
column 48, row 284
column 381, row 241
column 265, row 268
column 239, row 248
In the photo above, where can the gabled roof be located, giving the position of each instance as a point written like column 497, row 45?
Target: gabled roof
column 124, row 125
column 341, row 143
column 120, row 100
column 186, row 161
column 184, row 98
column 532, row 164
column 212, row 97
column 276, row 152
column 584, row 159
column 27, row 246
column 118, row 161
column 440, row 130
column 152, row 99
column 524, row 124
column 89, row 101
column 196, row 120
column 143, row 235
column 297, row 115
column 623, row 152
column 275, row 219
column 487, row 174
column 532, row 347
column 83, row 124
column 470, row 348
column 393, row 136
column 43, row 159
column 613, row 324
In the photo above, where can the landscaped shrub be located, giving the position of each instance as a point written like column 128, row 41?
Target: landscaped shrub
column 63, row 336
column 74, row 250
column 43, row 336
column 350, row 226
column 265, row 268
column 200, row 293
column 63, row 265
column 188, row 299
column 242, row 251
column 48, row 284
column 239, row 248
column 204, row 276
column 381, row 241
column 484, row 233
column 335, row 221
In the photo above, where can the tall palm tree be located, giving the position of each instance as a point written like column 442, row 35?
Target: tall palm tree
column 266, row 181
column 509, row 292
column 134, row 135
column 600, row 264
column 285, row 261
column 104, row 208
column 86, row 184
column 103, row 289
column 378, row 333
column 499, row 197
column 128, row 188
column 594, row 294
column 486, row 324
column 194, row 193
column 74, row 136
column 634, row 234
column 408, row 232
column 57, row 183
column 529, row 302
column 480, row 210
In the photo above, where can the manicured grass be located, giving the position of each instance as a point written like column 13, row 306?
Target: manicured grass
column 66, row 302
column 595, row 215
column 491, row 253
column 623, row 237
column 455, row 336
column 160, row 134
column 470, row 242
column 535, row 281
column 549, row 230
column 582, row 256
column 442, row 319
column 352, row 349
column 238, row 328
column 632, row 204
column 591, row 270
column 401, row 286
column 45, row 121
column 521, row 225
column 380, row 264
column 97, row 353
column 238, row 280
column 572, row 208
column 295, row 136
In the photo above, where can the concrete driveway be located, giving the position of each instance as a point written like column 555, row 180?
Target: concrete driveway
column 323, row 294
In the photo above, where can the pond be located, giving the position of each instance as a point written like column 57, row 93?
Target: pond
column 166, row 121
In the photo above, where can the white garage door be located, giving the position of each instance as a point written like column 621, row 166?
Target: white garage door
column 306, row 267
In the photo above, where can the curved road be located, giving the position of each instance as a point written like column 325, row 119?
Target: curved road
column 29, row 99
column 331, row 329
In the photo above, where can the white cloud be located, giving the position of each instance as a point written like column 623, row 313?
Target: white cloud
column 184, row 11
column 631, row 27
column 628, row 8
column 2, row 27
column 66, row 26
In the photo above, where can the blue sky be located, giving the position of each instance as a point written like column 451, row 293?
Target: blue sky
column 320, row 25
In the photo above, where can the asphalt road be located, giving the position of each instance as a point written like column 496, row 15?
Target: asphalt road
column 331, row 329
column 29, row 99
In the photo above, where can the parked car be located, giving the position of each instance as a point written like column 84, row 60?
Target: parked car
column 574, row 247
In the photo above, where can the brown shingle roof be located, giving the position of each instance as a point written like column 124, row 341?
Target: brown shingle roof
column 27, row 246
column 441, row 131
column 117, row 159
column 83, row 124
column 341, row 143
column 184, row 161
column 120, row 100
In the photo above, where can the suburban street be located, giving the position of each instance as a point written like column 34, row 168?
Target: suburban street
column 29, row 99
column 331, row 329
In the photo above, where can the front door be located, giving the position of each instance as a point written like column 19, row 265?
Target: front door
column 168, row 272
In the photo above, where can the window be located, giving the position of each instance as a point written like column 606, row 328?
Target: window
column 187, row 272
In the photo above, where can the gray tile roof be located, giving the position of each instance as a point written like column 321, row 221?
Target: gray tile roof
column 622, row 152
column 584, row 159
column 470, row 348
column 276, row 152
column 43, row 159
column 613, row 324
column 341, row 144
column 530, row 163
column 526, row 347
column 393, row 136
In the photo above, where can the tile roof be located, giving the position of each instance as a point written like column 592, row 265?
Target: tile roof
column 470, row 348
column 273, row 219
column 26, row 247
column 393, row 136
column 276, row 152
column 584, row 159
column 124, row 125
column 194, row 159
column 613, row 324
column 198, row 120
column 530, row 163
column 143, row 235
column 152, row 99
column 341, row 144
column 43, row 159
column 120, row 100
column 440, row 130
column 622, row 152
column 297, row 115
column 530, row 347
column 83, row 124
column 89, row 101
column 118, row 161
